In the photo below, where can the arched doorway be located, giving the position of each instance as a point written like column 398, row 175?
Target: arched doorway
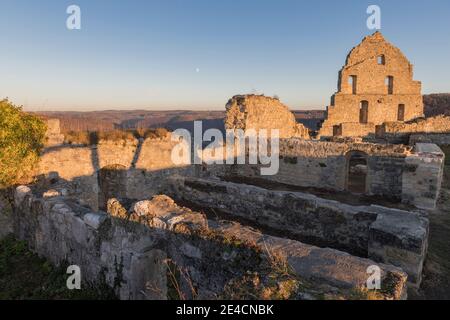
column 112, row 182
column 356, row 172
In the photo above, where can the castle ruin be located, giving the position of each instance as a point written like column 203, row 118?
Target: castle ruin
column 125, row 213
column 259, row 112
column 375, row 86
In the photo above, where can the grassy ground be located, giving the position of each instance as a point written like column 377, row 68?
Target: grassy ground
column 23, row 275
column 436, row 276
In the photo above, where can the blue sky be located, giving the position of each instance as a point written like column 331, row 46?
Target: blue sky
column 196, row 54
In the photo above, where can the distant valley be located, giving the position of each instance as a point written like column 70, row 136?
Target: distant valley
column 107, row 120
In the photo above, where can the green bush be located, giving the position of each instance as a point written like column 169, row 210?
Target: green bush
column 21, row 139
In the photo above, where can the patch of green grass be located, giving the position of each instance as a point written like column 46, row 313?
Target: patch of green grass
column 25, row 276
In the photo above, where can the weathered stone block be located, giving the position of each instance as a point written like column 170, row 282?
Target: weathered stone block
column 400, row 239
column 94, row 220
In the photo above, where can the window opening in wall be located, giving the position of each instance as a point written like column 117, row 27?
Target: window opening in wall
column 352, row 80
column 356, row 172
column 364, row 111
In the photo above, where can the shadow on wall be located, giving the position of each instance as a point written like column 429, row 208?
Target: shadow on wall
column 135, row 168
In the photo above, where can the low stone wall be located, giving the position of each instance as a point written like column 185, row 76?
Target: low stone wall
column 325, row 165
column 422, row 176
column 400, row 132
column 5, row 212
column 440, row 139
column 438, row 124
column 259, row 112
column 319, row 221
column 53, row 136
column 157, row 250
column 384, row 176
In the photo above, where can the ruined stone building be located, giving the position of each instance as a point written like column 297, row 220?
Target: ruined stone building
column 130, row 217
column 375, row 86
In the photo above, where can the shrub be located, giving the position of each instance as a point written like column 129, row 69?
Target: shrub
column 115, row 135
column 21, row 139
column 93, row 137
column 156, row 133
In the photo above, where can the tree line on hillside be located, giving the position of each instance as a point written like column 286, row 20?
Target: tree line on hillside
column 436, row 104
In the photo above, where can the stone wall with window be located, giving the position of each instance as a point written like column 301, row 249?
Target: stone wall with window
column 375, row 86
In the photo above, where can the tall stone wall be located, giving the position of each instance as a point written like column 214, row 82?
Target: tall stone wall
column 365, row 93
column 158, row 250
column 260, row 112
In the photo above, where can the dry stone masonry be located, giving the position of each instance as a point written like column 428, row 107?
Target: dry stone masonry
column 260, row 112
column 389, row 172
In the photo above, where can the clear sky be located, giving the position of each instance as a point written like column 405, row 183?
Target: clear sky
column 196, row 54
